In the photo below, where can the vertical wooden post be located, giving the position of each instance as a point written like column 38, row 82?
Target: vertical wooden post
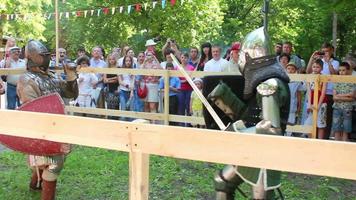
column 138, row 170
column 57, row 33
column 315, row 105
column 166, row 97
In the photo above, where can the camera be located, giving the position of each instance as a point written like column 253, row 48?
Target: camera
column 321, row 53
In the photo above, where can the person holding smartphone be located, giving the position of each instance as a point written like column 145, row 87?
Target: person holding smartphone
column 330, row 67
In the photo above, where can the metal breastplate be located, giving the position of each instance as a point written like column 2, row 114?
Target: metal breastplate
column 46, row 83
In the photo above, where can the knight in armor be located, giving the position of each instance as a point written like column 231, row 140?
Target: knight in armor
column 262, row 109
column 36, row 82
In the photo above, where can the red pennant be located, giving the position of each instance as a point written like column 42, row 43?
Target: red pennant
column 138, row 7
column 105, row 11
column 173, row 2
column 79, row 13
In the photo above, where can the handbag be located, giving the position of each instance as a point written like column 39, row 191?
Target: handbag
column 142, row 92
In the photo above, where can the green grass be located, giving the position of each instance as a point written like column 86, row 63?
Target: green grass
column 96, row 174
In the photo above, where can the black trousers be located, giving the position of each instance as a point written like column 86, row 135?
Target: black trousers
column 329, row 115
column 173, row 107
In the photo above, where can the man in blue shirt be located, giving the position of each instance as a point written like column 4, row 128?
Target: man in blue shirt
column 174, row 87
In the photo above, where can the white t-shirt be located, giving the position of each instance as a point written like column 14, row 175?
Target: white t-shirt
column 215, row 65
column 126, row 80
column 20, row 63
column 89, row 80
column 326, row 71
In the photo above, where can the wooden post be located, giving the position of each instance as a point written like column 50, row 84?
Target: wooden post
column 166, row 97
column 57, row 33
column 138, row 170
column 315, row 105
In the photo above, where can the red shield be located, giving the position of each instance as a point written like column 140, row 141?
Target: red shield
column 47, row 104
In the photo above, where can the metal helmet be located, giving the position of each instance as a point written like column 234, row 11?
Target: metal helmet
column 37, row 55
column 255, row 45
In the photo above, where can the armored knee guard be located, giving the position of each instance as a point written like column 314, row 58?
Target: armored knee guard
column 226, row 182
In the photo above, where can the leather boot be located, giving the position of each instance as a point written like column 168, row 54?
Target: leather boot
column 48, row 190
column 34, row 184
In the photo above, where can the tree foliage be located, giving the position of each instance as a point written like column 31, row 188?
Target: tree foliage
column 306, row 23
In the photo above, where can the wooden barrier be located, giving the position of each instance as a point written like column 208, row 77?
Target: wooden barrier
column 317, row 157
column 165, row 117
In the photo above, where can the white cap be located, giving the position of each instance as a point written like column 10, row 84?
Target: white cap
column 14, row 48
column 150, row 43
column 197, row 80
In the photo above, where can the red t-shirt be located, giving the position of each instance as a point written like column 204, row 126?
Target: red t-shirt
column 185, row 85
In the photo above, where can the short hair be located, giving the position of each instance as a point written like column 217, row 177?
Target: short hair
column 196, row 48
column 319, row 62
column 279, row 43
column 345, row 64
column 169, row 64
column 327, row 45
column 83, row 59
column 216, row 46
column 284, row 55
column 288, row 43
column 185, row 54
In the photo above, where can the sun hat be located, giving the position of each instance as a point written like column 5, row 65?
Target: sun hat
column 150, row 42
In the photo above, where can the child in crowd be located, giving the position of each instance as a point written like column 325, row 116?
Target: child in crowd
column 196, row 106
column 317, row 67
column 126, row 84
column 284, row 60
column 343, row 95
column 86, row 82
column 295, row 88
column 174, row 87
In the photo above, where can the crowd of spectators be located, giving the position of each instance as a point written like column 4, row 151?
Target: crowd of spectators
column 144, row 93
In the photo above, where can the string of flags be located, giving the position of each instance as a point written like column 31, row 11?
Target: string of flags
column 138, row 7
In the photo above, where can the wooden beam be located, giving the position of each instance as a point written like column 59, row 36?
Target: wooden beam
column 318, row 157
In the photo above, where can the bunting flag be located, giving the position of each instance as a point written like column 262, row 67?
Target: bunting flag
column 138, row 7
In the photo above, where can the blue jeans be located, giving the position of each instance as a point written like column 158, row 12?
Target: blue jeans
column 124, row 98
column 138, row 105
column 12, row 98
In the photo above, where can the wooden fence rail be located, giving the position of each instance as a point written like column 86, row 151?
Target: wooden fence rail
column 317, row 157
column 166, row 73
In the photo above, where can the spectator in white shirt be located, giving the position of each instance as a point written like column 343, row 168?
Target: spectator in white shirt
column 216, row 63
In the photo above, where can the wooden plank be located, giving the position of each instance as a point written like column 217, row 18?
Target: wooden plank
column 338, row 79
column 299, row 129
column 92, row 132
column 166, row 97
column 318, row 157
column 138, row 171
column 8, row 71
column 315, row 106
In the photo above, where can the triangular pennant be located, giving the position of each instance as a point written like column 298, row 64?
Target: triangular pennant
column 113, row 10
column 98, row 12
column 128, row 9
column 105, row 11
column 74, row 13
column 154, row 4
column 173, row 2
column 67, row 14
column 138, row 7
column 91, row 12
column 49, row 16
column 121, row 9
column 78, row 13
column 181, row 2
column 45, row 15
column 163, row 4
column 60, row 15
column 85, row 13
column 145, row 5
